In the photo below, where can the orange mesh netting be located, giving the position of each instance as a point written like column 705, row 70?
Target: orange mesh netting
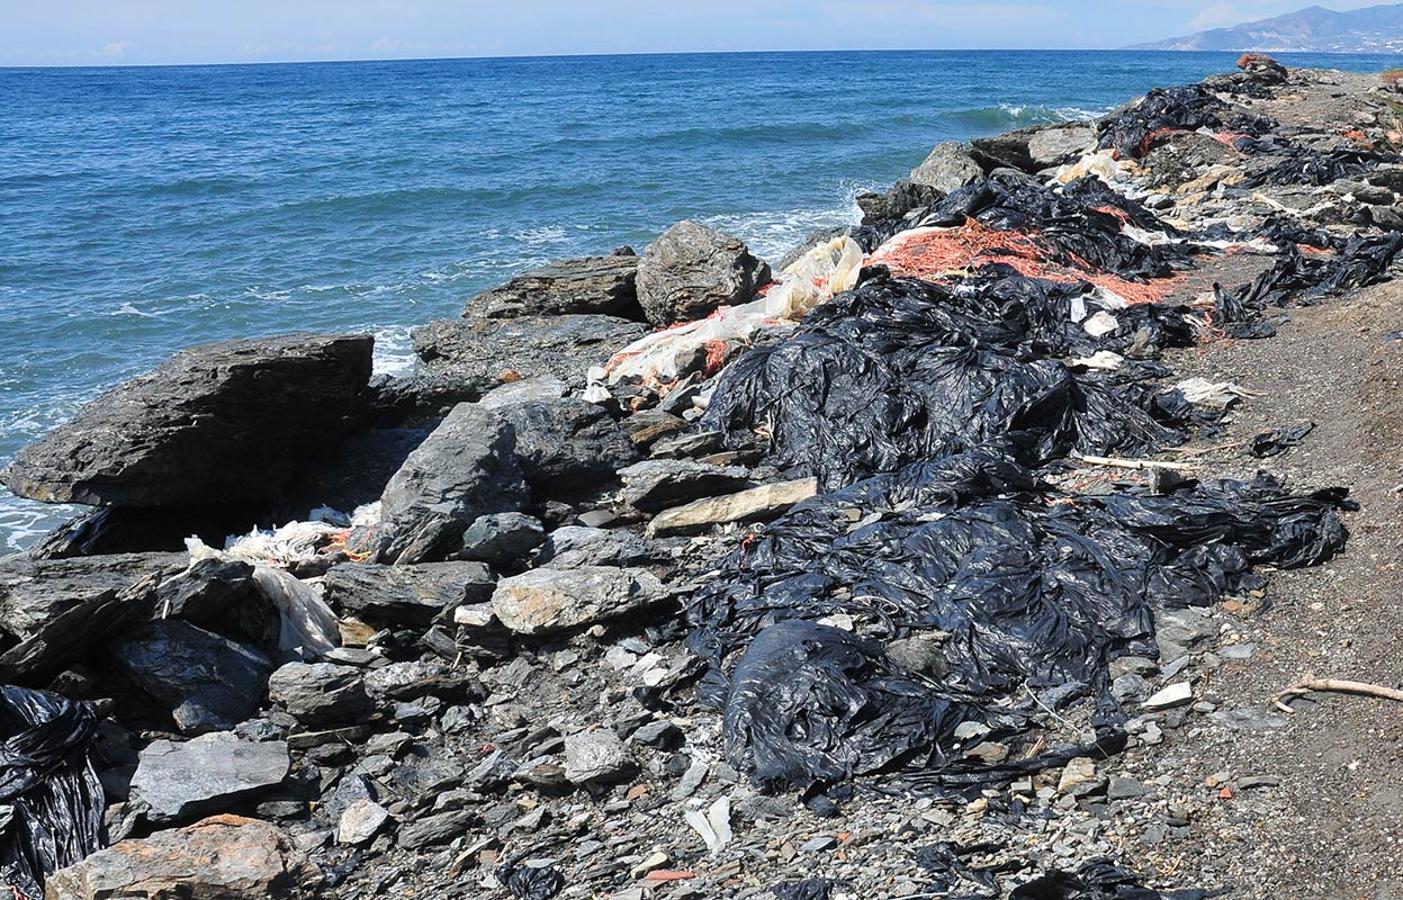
column 939, row 253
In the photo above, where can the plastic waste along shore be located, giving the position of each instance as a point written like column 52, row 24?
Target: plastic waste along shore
column 51, row 802
column 1019, row 595
column 307, row 625
column 901, row 370
column 663, row 358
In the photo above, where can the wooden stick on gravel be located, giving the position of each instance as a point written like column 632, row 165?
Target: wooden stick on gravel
column 1310, row 683
column 1119, row 463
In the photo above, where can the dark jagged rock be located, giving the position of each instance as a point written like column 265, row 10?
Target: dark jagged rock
column 593, row 284
column 691, row 269
column 210, row 682
column 477, row 355
column 409, row 594
column 466, row 468
column 180, row 781
column 567, row 447
column 220, row 596
column 574, row 546
column 656, row 484
column 55, row 611
column 502, row 539
column 903, row 197
column 219, row 423
column 319, row 693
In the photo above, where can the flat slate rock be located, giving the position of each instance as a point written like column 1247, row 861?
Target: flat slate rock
column 592, row 284
column 542, row 601
column 656, row 484
column 480, row 354
column 227, row 422
column 219, row 858
column 183, row 780
column 409, row 594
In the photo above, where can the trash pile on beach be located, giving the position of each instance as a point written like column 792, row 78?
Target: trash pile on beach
column 684, row 575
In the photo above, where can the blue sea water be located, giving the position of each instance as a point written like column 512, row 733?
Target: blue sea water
column 146, row 209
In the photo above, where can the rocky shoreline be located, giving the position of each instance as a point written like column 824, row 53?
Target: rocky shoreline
column 871, row 574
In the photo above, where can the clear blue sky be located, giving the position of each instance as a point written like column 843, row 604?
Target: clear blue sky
column 132, row 32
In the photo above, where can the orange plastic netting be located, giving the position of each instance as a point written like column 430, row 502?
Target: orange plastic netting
column 941, row 253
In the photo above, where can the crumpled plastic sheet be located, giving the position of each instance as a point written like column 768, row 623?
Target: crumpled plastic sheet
column 952, row 876
column 307, row 625
column 50, row 798
column 1303, row 166
column 1133, row 131
column 530, row 882
column 1279, row 440
column 1029, row 595
column 1299, row 278
column 902, row 370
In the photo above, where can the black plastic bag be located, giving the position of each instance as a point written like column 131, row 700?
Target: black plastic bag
column 1033, row 592
column 47, row 780
column 1279, row 440
column 900, row 370
column 531, row 883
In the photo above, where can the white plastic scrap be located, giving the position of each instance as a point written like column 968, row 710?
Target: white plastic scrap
column 1100, row 323
column 1213, row 394
column 307, row 626
column 293, row 542
column 715, row 826
column 1104, row 360
column 663, row 357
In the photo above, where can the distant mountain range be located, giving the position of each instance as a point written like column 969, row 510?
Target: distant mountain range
column 1375, row 29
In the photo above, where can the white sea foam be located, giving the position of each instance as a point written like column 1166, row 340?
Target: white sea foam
column 394, row 352
column 773, row 233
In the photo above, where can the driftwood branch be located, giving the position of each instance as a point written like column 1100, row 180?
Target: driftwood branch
column 1311, row 684
column 1119, row 463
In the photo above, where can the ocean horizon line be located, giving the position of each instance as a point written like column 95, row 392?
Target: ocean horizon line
column 651, row 54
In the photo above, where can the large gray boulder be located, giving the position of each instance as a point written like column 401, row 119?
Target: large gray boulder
column 543, row 601
column 594, row 284
column 178, row 781
column 476, row 355
column 466, row 468
column 406, row 595
column 209, row 682
column 567, row 447
column 1058, row 144
column 220, row 423
column 220, row 858
column 948, row 168
column 691, row 269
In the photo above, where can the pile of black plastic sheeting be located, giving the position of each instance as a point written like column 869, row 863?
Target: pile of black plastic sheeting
column 901, row 370
column 1303, row 166
column 1026, row 594
column 1130, row 132
column 50, row 798
column 1300, row 278
column 1082, row 223
column 950, row 874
